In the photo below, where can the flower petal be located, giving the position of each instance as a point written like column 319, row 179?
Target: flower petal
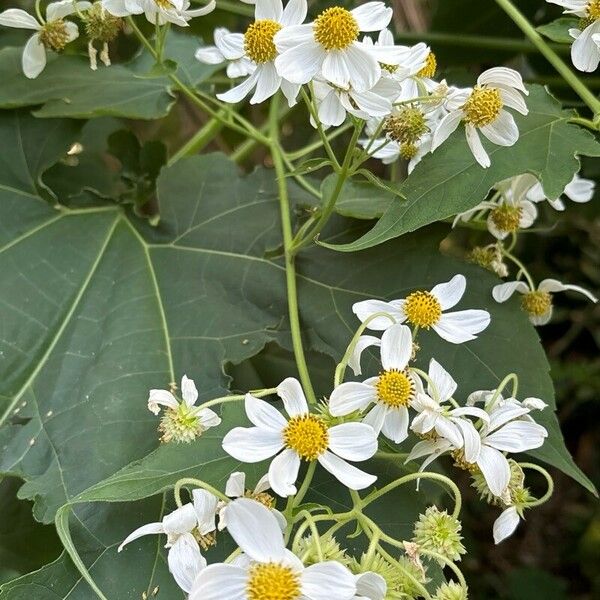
column 219, row 581
column 517, row 436
column 553, row 285
column 350, row 476
column 371, row 585
column 335, row 69
column 585, row 54
column 351, row 396
column 267, row 84
column 239, row 92
column 503, row 76
column 364, row 70
column 149, row 529
column 268, row 9
column 294, row 13
column 16, row 17
column 181, row 520
column 252, row 444
column 372, row 16
column 461, row 326
column 364, row 342
column 445, row 128
column 327, row 580
column 205, row 505
column 445, row 386
column 450, row 292
column 353, row 441
column 231, row 45
column 395, row 424
column 299, row 64
column 292, row 394
column 189, row 391
column 264, row 415
column 503, row 131
column 505, row 524
column 367, row 308
column 185, row 561
column 161, row 397
column 495, row 469
column 396, row 347
column 236, row 485
column 34, row 57
column 283, row 473
column 503, row 291
column 474, row 142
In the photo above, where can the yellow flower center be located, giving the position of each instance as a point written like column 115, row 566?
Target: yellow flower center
column 483, row 106
column 54, row 35
column 408, row 150
column 593, row 10
column 271, row 581
column 307, row 435
column 100, row 24
column 461, row 462
column 258, row 41
column 536, row 303
column 430, row 66
column 206, row 540
column 507, row 217
column 336, row 28
column 395, row 388
column 164, row 4
column 422, row 309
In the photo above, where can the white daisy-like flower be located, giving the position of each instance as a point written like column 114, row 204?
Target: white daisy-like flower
column 266, row 569
column 482, row 108
column 256, row 45
column 506, row 431
column 304, row 436
column 53, row 34
column 183, row 527
column 158, row 12
column 427, row 309
column 182, row 421
column 585, row 52
column 448, row 423
column 579, row 190
column 236, row 488
column 334, row 102
column 226, row 51
column 330, row 47
column 390, row 393
column 537, row 303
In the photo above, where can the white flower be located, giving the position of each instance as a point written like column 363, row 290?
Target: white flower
column 483, row 109
column 304, row 436
column 224, row 50
column 236, row 488
column 54, row 34
column 158, row 11
column 448, row 423
column 333, row 102
column 183, row 421
column 256, row 46
column 585, row 52
column 537, row 303
column 578, row 190
column 329, row 47
column 266, row 567
column 391, row 392
column 427, row 309
column 184, row 557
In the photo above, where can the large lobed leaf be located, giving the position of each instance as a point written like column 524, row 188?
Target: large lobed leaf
column 449, row 181
column 128, row 307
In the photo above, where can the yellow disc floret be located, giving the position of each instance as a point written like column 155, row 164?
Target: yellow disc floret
column 54, row 35
column 483, row 106
column 430, row 66
column 593, row 10
column 307, row 435
column 422, row 309
column 506, row 217
column 336, row 28
column 395, row 388
column 536, row 303
column 272, row 581
column 406, row 126
column 258, row 41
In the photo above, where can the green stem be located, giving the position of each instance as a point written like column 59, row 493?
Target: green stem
column 238, row 397
column 199, row 140
column 549, row 481
column 310, row 105
column 197, row 483
column 510, row 377
column 319, row 143
column 551, row 56
column 521, row 266
column 290, row 266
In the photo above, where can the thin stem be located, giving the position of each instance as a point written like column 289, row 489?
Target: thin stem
column 290, row 266
column 315, row 116
column 238, row 397
column 521, row 266
column 306, row 483
column 38, row 12
column 538, row 41
column 199, row 140
column 297, row 154
column 446, row 561
column 510, row 377
column 549, row 481
column 197, row 483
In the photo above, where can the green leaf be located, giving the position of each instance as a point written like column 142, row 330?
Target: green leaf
column 558, row 30
column 450, row 181
column 359, row 199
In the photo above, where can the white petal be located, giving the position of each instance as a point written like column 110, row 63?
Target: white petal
column 503, row 291
column 376, row 417
column 372, row 16
column 294, row 35
column 236, row 485
column 449, row 431
column 161, row 397
column 119, row 8
column 185, row 561
column 481, row 156
column 353, row 441
column 189, row 391
column 371, row 585
column 149, row 529
column 264, row 415
column 372, row 104
column 326, row 581
column 503, row 413
column 292, row 394
column 580, row 189
column 363, row 68
column 517, row 436
column 268, row 9
column 200, row 12
column 461, row 326
column 471, row 439
column 209, row 55
column 220, row 581
column 365, row 309
column 283, row 473
column 255, row 530
column 209, row 418
column 534, row 403
column 450, row 293
column 443, row 381
column 330, row 110
column 364, row 342
column 585, row 54
column 495, row 469
column 513, row 99
column 15, row 17
column 505, row 524
column 205, row 505
column 290, row 91
column 350, row 476
column 294, row 13
column 267, row 84
column 34, row 57
column 395, row 425
column 263, row 484
column 300, row 63
column 252, row 444
column 428, row 447
column 553, row 285
column 181, row 520
column 396, row 347
column 351, row 396
column 231, row 45
column 239, row 92
column 58, row 10
column 503, row 131
column 503, row 76
column 445, row 128
column 335, row 69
